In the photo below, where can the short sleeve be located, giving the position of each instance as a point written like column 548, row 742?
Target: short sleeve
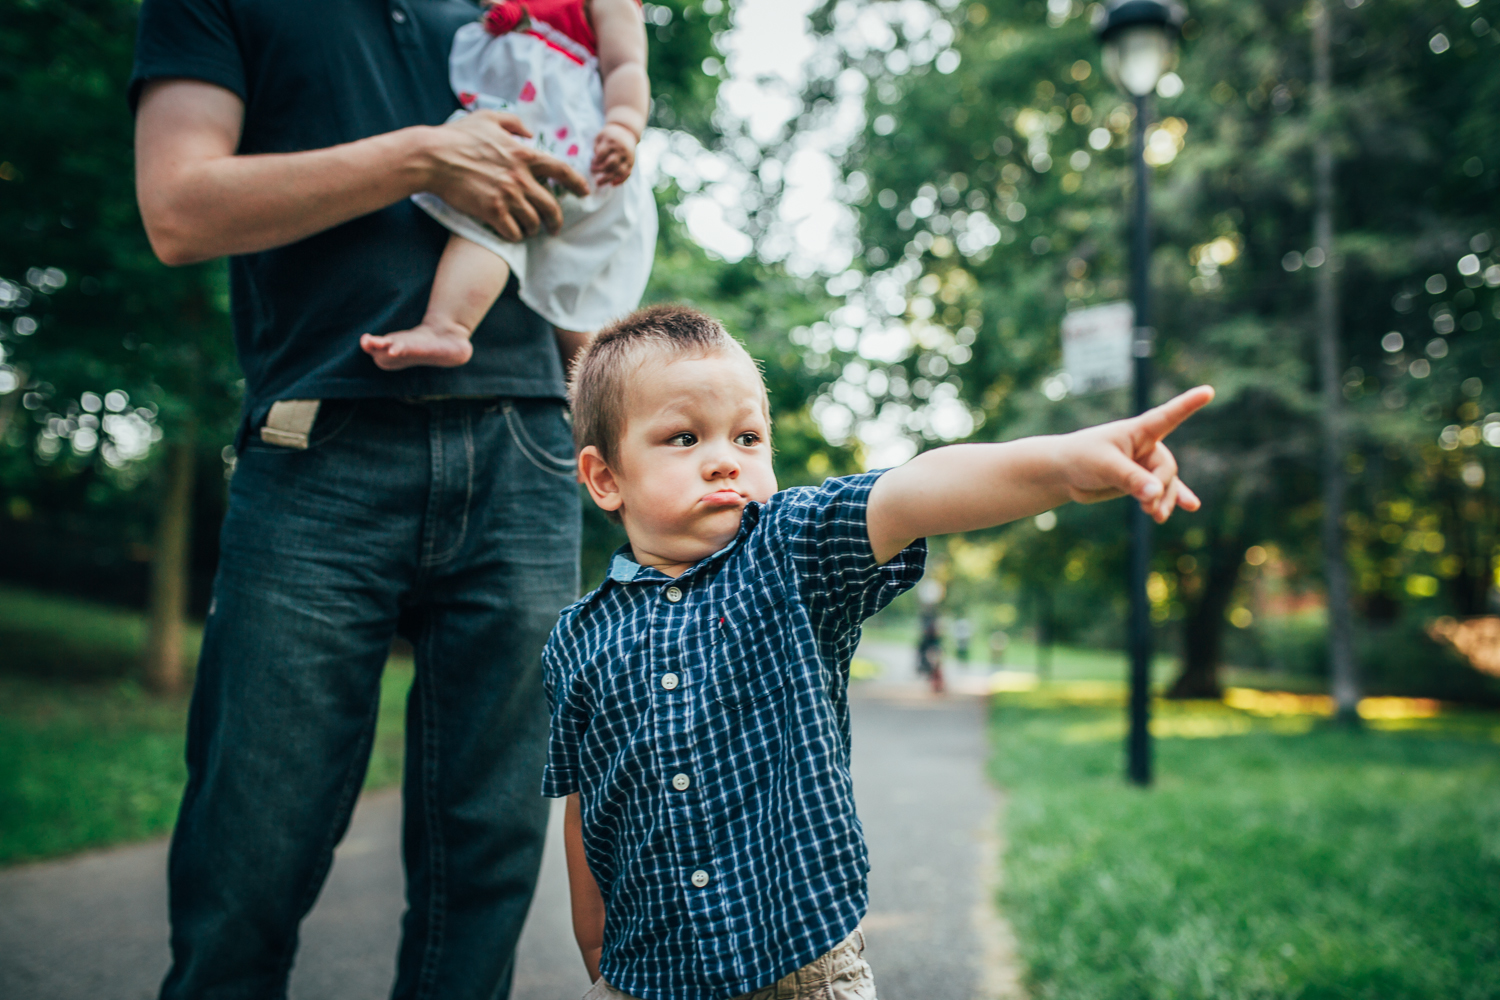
column 826, row 537
column 189, row 39
column 568, row 721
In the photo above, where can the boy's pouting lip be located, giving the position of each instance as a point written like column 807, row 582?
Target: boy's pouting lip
column 700, row 720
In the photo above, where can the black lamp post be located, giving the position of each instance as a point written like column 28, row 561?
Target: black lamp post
column 1140, row 45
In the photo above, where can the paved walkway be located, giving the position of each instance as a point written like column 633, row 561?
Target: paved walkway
column 94, row 927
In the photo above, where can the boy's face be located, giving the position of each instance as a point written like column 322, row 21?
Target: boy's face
column 695, row 450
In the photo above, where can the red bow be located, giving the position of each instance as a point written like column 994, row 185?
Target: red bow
column 503, row 17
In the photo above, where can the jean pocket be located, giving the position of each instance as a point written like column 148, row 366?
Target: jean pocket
column 751, row 658
column 530, row 441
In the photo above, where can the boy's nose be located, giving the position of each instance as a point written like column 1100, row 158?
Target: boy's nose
column 723, row 465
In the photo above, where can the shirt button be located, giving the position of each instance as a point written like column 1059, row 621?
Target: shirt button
column 669, row 681
column 681, row 782
column 399, row 16
column 674, row 594
column 700, row 878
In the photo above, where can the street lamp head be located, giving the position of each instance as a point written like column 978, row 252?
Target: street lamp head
column 1140, row 41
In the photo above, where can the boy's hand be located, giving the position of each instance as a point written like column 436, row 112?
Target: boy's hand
column 965, row 487
column 1128, row 458
column 614, row 154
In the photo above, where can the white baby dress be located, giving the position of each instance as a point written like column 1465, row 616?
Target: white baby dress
column 594, row 270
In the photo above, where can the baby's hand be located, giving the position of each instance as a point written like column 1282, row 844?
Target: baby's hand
column 614, row 154
column 1128, row 458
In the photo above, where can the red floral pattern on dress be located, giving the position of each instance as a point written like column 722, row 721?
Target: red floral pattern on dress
column 504, row 16
column 573, row 149
column 562, row 133
column 528, row 92
column 467, row 99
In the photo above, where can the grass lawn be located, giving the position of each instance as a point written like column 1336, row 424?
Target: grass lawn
column 1073, row 663
column 85, row 764
column 1276, row 856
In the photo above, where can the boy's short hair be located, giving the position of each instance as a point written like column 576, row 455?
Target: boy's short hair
column 602, row 372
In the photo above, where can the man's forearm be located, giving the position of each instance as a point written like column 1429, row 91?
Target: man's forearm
column 200, row 200
column 242, row 204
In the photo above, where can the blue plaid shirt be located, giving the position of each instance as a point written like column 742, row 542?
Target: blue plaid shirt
column 706, row 721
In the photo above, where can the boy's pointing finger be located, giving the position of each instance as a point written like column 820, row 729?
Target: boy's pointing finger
column 1162, row 420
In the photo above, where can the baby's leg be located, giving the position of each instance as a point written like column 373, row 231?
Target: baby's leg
column 469, row 280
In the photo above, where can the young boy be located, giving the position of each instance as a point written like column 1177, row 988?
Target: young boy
column 700, row 718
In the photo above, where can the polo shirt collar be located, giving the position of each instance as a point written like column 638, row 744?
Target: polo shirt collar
column 624, row 569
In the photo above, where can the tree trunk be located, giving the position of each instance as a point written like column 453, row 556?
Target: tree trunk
column 1203, row 631
column 1336, row 573
column 163, row 665
column 9, row 400
column 1044, row 635
column 1469, row 588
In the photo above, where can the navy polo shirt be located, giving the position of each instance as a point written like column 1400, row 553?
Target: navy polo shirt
column 705, row 722
column 314, row 75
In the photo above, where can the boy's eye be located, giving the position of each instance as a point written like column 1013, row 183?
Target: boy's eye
column 749, row 439
column 683, row 440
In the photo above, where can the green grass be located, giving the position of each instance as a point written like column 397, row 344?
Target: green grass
column 1068, row 663
column 88, row 764
column 52, row 637
column 1276, row 857
column 1073, row 663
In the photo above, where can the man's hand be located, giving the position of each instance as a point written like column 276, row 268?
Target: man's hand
column 970, row 486
column 480, row 167
column 1128, row 458
column 614, row 154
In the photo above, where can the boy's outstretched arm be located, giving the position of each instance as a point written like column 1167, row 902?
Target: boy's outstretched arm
column 968, row 486
column 588, row 905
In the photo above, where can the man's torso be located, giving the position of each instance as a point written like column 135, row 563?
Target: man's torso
column 314, row 75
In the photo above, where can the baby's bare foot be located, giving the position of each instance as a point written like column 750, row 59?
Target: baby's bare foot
column 421, row 345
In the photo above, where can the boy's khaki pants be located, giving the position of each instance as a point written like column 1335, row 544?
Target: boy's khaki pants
column 840, row 974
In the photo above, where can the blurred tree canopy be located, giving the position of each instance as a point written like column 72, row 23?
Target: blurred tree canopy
column 111, row 359
column 990, row 183
column 986, row 188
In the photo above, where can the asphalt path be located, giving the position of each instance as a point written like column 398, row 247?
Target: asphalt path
column 94, row 927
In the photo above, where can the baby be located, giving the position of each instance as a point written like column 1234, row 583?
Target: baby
column 574, row 73
column 699, row 696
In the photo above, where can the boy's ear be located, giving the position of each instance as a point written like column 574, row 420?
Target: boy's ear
column 596, row 475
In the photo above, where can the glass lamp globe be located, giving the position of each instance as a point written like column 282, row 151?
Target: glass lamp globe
column 1140, row 41
column 1135, row 58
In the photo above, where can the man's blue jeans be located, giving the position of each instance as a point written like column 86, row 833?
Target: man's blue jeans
column 455, row 524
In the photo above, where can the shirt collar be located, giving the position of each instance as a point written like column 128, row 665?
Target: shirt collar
column 624, row 569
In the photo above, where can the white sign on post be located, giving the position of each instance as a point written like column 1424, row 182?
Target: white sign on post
column 1096, row 347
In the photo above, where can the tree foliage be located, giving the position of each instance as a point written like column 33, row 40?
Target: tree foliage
column 106, row 351
column 993, row 172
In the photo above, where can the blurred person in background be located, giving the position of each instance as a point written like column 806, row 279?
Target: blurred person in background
column 930, row 648
column 437, row 504
column 963, row 631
